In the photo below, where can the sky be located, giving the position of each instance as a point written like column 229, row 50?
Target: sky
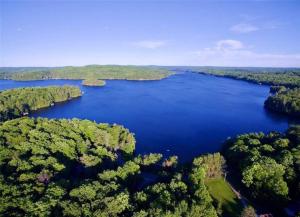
column 199, row 33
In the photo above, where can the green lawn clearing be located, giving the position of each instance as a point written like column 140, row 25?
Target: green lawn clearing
column 224, row 198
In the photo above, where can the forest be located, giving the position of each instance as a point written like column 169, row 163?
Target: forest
column 268, row 166
column 21, row 101
column 289, row 77
column 284, row 100
column 86, row 72
column 81, row 168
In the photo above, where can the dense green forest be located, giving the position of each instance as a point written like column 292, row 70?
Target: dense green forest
column 21, row 101
column 268, row 165
column 289, row 77
column 93, row 82
column 80, row 168
column 284, row 100
column 87, row 72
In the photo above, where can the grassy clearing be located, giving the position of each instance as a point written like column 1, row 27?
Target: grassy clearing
column 225, row 199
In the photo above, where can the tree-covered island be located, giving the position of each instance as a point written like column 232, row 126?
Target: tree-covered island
column 93, row 82
column 21, row 101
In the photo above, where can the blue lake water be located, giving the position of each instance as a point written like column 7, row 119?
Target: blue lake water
column 186, row 114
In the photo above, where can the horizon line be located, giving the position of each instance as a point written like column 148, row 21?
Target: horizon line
column 152, row 65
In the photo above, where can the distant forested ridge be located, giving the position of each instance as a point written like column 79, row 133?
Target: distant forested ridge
column 20, row 101
column 289, row 77
column 86, row 72
column 268, row 165
column 80, row 168
column 285, row 101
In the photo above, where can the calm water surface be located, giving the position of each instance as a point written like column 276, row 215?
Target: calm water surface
column 186, row 114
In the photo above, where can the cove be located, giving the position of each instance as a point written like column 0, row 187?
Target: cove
column 186, row 114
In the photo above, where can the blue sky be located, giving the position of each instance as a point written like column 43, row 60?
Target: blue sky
column 221, row 33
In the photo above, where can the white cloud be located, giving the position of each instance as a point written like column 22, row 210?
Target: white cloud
column 149, row 44
column 229, row 44
column 244, row 28
column 235, row 53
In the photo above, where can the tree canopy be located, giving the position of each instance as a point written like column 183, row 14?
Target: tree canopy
column 80, row 168
column 286, row 101
column 269, row 165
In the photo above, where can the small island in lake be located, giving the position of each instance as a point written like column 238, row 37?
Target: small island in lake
column 93, row 82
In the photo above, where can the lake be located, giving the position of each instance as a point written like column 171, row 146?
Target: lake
column 186, row 114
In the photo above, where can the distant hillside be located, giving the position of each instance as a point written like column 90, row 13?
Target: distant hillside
column 272, row 76
column 85, row 72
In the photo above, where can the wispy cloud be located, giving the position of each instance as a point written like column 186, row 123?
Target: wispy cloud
column 235, row 53
column 244, row 28
column 149, row 44
column 228, row 44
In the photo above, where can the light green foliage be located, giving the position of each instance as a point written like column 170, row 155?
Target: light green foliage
column 93, row 82
column 248, row 212
column 214, row 165
column 170, row 161
column 149, row 159
column 266, row 176
column 176, row 197
column 20, row 101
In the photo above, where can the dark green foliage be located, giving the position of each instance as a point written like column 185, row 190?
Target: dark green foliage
column 267, row 164
column 285, row 101
column 21, row 101
column 89, row 72
column 80, row 168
